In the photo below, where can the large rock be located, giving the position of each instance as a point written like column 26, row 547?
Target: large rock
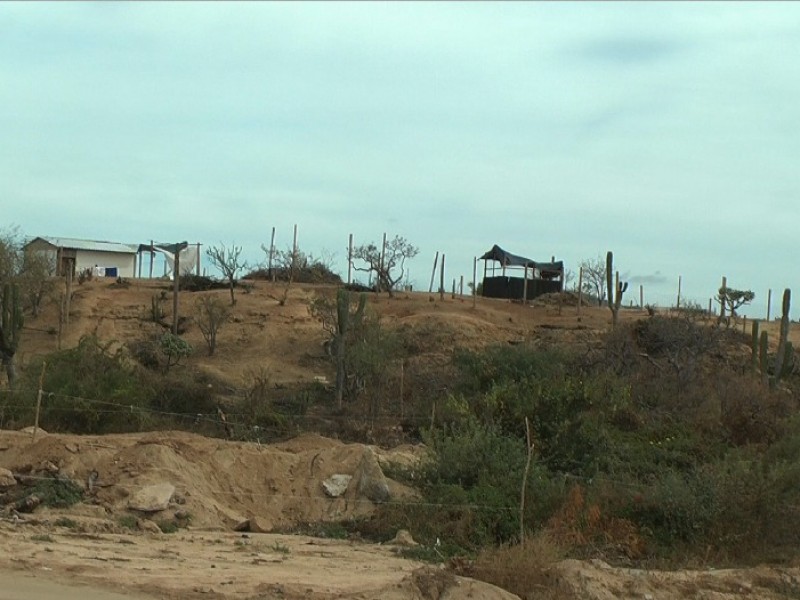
column 336, row 485
column 255, row 525
column 403, row 538
column 371, row 482
column 7, row 479
column 152, row 498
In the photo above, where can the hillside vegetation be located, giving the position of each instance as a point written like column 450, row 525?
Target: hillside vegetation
column 653, row 442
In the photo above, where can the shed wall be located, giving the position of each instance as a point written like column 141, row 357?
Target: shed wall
column 125, row 263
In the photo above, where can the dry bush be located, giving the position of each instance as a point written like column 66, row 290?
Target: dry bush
column 212, row 314
column 523, row 569
column 751, row 413
column 582, row 526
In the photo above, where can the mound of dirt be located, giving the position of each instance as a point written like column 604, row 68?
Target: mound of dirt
column 217, row 482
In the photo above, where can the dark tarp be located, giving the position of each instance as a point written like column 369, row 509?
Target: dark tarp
column 547, row 269
column 514, row 287
column 167, row 247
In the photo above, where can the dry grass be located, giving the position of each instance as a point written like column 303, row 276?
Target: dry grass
column 527, row 570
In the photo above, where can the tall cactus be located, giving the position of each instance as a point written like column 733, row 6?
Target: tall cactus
column 10, row 327
column 615, row 292
column 344, row 321
column 763, row 348
column 784, row 355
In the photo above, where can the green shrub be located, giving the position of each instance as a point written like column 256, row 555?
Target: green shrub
column 127, row 521
column 90, row 389
column 200, row 283
column 66, row 522
column 58, row 493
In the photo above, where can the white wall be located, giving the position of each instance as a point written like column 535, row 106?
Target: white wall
column 87, row 259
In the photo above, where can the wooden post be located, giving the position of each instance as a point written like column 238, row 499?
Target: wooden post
column 580, row 290
column 294, row 253
column 68, row 297
column 197, row 268
column 152, row 258
column 709, row 306
column 453, row 296
column 433, row 273
column 139, row 261
column 350, row 260
column 641, row 296
column 744, row 324
column 441, row 279
column 270, row 270
column 474, row 281
column 722, row 303
column 60, row 320
column 769, row 303
column 525, row 482
column 678, row 305
column 38, row 402
column 461, row 286
column 525, row 286
column 175, row 288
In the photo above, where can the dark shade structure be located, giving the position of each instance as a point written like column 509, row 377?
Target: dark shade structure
column 531, row 278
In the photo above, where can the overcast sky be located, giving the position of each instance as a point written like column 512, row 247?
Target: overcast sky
column 668, row 133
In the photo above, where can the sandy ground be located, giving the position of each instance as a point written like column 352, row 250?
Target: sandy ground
column 15, row 585
column 205, row 565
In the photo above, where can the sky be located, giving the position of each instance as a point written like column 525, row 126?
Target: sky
column 668, row 133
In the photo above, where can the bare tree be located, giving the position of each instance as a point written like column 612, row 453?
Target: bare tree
column 212, row 314
column 229, row 262
column 594, row 278
column 287, row 263
column 388, row 264
column 36, row 278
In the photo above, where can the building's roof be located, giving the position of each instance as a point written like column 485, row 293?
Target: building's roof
column 512, row 260
column 93, row 245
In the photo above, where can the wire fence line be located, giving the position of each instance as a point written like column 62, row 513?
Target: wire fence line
column 213, row 418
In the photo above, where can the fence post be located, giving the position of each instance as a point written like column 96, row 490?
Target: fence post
column 769, row 303
column 474, row 281
column 441, row 279
column 433, row 273
column 38, row 402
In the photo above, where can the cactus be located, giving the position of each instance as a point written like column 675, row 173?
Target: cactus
column 10, row 327
column 788, row 360
column 344, row 319
column 762, row 356
column 614, row 293
column 754, row 347
column 785, row 350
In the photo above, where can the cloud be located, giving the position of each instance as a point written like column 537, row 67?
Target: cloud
column 651, row 279
column 628, row 50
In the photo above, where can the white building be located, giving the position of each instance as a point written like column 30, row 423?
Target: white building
column 111, row 258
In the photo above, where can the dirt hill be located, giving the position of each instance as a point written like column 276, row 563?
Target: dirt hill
column 287, row 340
column 217, row 485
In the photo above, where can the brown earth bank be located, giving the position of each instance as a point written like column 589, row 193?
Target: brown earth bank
column 92, row 544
